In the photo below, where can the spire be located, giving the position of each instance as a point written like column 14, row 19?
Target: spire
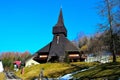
column 59, row 28
column 60, row 19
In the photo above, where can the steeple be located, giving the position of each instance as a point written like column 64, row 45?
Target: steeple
column 60, row 19
column 59, row 28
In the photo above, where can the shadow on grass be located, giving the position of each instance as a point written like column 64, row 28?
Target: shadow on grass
column 110, row 71
column 72, row 68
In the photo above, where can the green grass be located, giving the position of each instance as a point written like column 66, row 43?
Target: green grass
column 118, row 58
column 108, row 70
column 52, row 70
column 2, row 76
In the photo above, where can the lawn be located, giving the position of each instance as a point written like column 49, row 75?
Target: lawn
column 109, row 71
column 2, row 76
column 52, row 70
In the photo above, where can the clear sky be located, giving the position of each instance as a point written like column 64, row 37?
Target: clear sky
column 26, row 25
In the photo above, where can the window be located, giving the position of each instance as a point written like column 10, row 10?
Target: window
column 58, row 39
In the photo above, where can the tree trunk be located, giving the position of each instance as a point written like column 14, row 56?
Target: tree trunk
column 112, row 45
column 114, row 51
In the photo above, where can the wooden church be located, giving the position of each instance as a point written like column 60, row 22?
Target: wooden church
column 60, row 48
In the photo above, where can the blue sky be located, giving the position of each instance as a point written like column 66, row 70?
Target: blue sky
column 26, row 25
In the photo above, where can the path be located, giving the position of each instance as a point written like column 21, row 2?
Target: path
column 11, row 76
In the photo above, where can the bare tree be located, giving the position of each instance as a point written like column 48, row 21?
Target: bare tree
column 108, row 10
column 95, row 44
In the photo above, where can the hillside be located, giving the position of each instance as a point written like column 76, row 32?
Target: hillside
column 52, row 70
column 109, row 71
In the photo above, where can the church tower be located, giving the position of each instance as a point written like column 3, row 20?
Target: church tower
column 57, row 50
column 59, row 28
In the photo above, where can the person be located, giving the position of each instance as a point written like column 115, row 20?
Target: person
column 22, row 70
column 41, row 74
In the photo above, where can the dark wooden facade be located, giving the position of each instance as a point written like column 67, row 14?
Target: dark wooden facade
column 60, row 47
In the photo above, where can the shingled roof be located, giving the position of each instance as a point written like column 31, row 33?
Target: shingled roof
column 45, row 49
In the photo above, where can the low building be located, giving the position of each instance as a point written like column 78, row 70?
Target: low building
column 1, row 66
column 29, row 62
column 17, row 65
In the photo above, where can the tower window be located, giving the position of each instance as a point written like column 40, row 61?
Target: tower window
column 58, row 39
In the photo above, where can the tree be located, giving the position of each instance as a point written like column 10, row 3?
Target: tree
column 82, row 43
column 109, row 10
column 9, row 57
column 95, row 44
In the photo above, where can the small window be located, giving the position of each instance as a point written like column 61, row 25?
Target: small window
column 58, row 39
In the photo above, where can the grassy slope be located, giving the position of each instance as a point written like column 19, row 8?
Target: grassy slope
column 2, row 76
column 109, row 70
column 52, row 69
